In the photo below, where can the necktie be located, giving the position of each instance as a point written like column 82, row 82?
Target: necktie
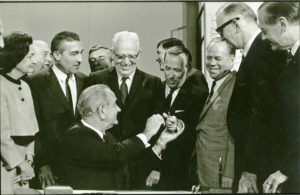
column 124, row 90
column 68, row 93
column 169, row 98
column 289, row 57
column 211, row 93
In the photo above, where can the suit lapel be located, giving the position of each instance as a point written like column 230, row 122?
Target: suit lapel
column 215, row 95
column 56, row 89
column 135, row 86
column 114, row 85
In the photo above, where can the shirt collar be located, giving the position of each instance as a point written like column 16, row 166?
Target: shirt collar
column 60, row 74
column 295, row 47
column 100, row 133
column 130, row 77
column 167, row 91
column 249, row 43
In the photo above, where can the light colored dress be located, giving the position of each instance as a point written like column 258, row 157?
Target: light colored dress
column 18, row 120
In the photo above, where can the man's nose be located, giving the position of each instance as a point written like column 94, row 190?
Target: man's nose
column 126, row 60
column 79, row 58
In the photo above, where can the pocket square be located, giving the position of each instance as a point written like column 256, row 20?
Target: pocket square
column 177, row 111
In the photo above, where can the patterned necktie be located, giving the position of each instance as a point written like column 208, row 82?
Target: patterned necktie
column 68, row 93
column 124, row 90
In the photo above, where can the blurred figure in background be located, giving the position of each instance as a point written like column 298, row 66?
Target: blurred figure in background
column 100, row 57
column 18, row 120
column 42, row 56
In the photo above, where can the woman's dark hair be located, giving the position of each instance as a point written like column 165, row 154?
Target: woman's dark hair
column 16, row 47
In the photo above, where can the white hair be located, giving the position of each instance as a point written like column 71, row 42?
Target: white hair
column 40, row 44
column 125, row 35
column 91, row 98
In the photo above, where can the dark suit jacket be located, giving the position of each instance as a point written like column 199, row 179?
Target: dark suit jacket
column 283, row 152
column 53, row 113
column 252, row 91
column 196, row 76
column 175, row 159
column 96, row 165
column 139, row 103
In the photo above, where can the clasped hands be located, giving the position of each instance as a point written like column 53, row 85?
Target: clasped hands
column 26, row 173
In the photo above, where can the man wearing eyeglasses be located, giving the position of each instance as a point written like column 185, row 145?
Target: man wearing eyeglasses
column 135, row 90
column 260, row 66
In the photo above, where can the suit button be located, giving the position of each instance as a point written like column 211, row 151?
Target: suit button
column 22, row 99
column 20, row 88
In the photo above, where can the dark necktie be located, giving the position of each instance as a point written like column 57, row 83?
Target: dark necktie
column 169, row 98
column 211, row 93
column 289, row 57
column 68, row 93
column 124, row 90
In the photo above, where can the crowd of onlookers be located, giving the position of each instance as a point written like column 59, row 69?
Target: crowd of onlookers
column 120, row 128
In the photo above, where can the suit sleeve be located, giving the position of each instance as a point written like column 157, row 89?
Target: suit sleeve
column 9, row 151
column 96, row 153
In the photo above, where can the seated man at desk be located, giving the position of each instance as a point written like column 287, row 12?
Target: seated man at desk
column 91, row 158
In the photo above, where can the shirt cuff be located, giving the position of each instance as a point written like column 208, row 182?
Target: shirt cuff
column 143, row 138
column 157, row 154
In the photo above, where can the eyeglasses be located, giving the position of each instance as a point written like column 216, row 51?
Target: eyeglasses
column 123, row 57
column 220, row 29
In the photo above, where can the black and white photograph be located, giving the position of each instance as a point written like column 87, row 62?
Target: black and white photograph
column 149, row 97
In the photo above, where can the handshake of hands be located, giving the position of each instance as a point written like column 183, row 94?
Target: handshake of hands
column 174, row 127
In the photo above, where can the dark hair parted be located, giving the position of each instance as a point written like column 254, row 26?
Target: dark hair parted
column 63, row 36
column 97, row 47
column 274, row 10
column 239, row 7
column 170, row 42
column 16, row 47
column 231, row 47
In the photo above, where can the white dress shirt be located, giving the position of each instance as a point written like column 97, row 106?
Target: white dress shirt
column 128, row 81
column 61, row 77
column 295, row 47
column 101, row 134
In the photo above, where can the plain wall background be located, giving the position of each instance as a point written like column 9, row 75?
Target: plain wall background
column 96, row 22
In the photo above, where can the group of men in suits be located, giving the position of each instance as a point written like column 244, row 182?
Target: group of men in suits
column 241, row 130
column 263, row 111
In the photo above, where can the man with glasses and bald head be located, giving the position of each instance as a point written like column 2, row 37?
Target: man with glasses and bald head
column 256, row 77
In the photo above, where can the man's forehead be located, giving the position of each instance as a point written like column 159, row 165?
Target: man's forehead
column 173, row 60
column 127, row 45
column 72, row 45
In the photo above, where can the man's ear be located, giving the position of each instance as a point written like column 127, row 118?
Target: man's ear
column 283, row 24
column 237, row 26
column 101, row 112
column 56, row 55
